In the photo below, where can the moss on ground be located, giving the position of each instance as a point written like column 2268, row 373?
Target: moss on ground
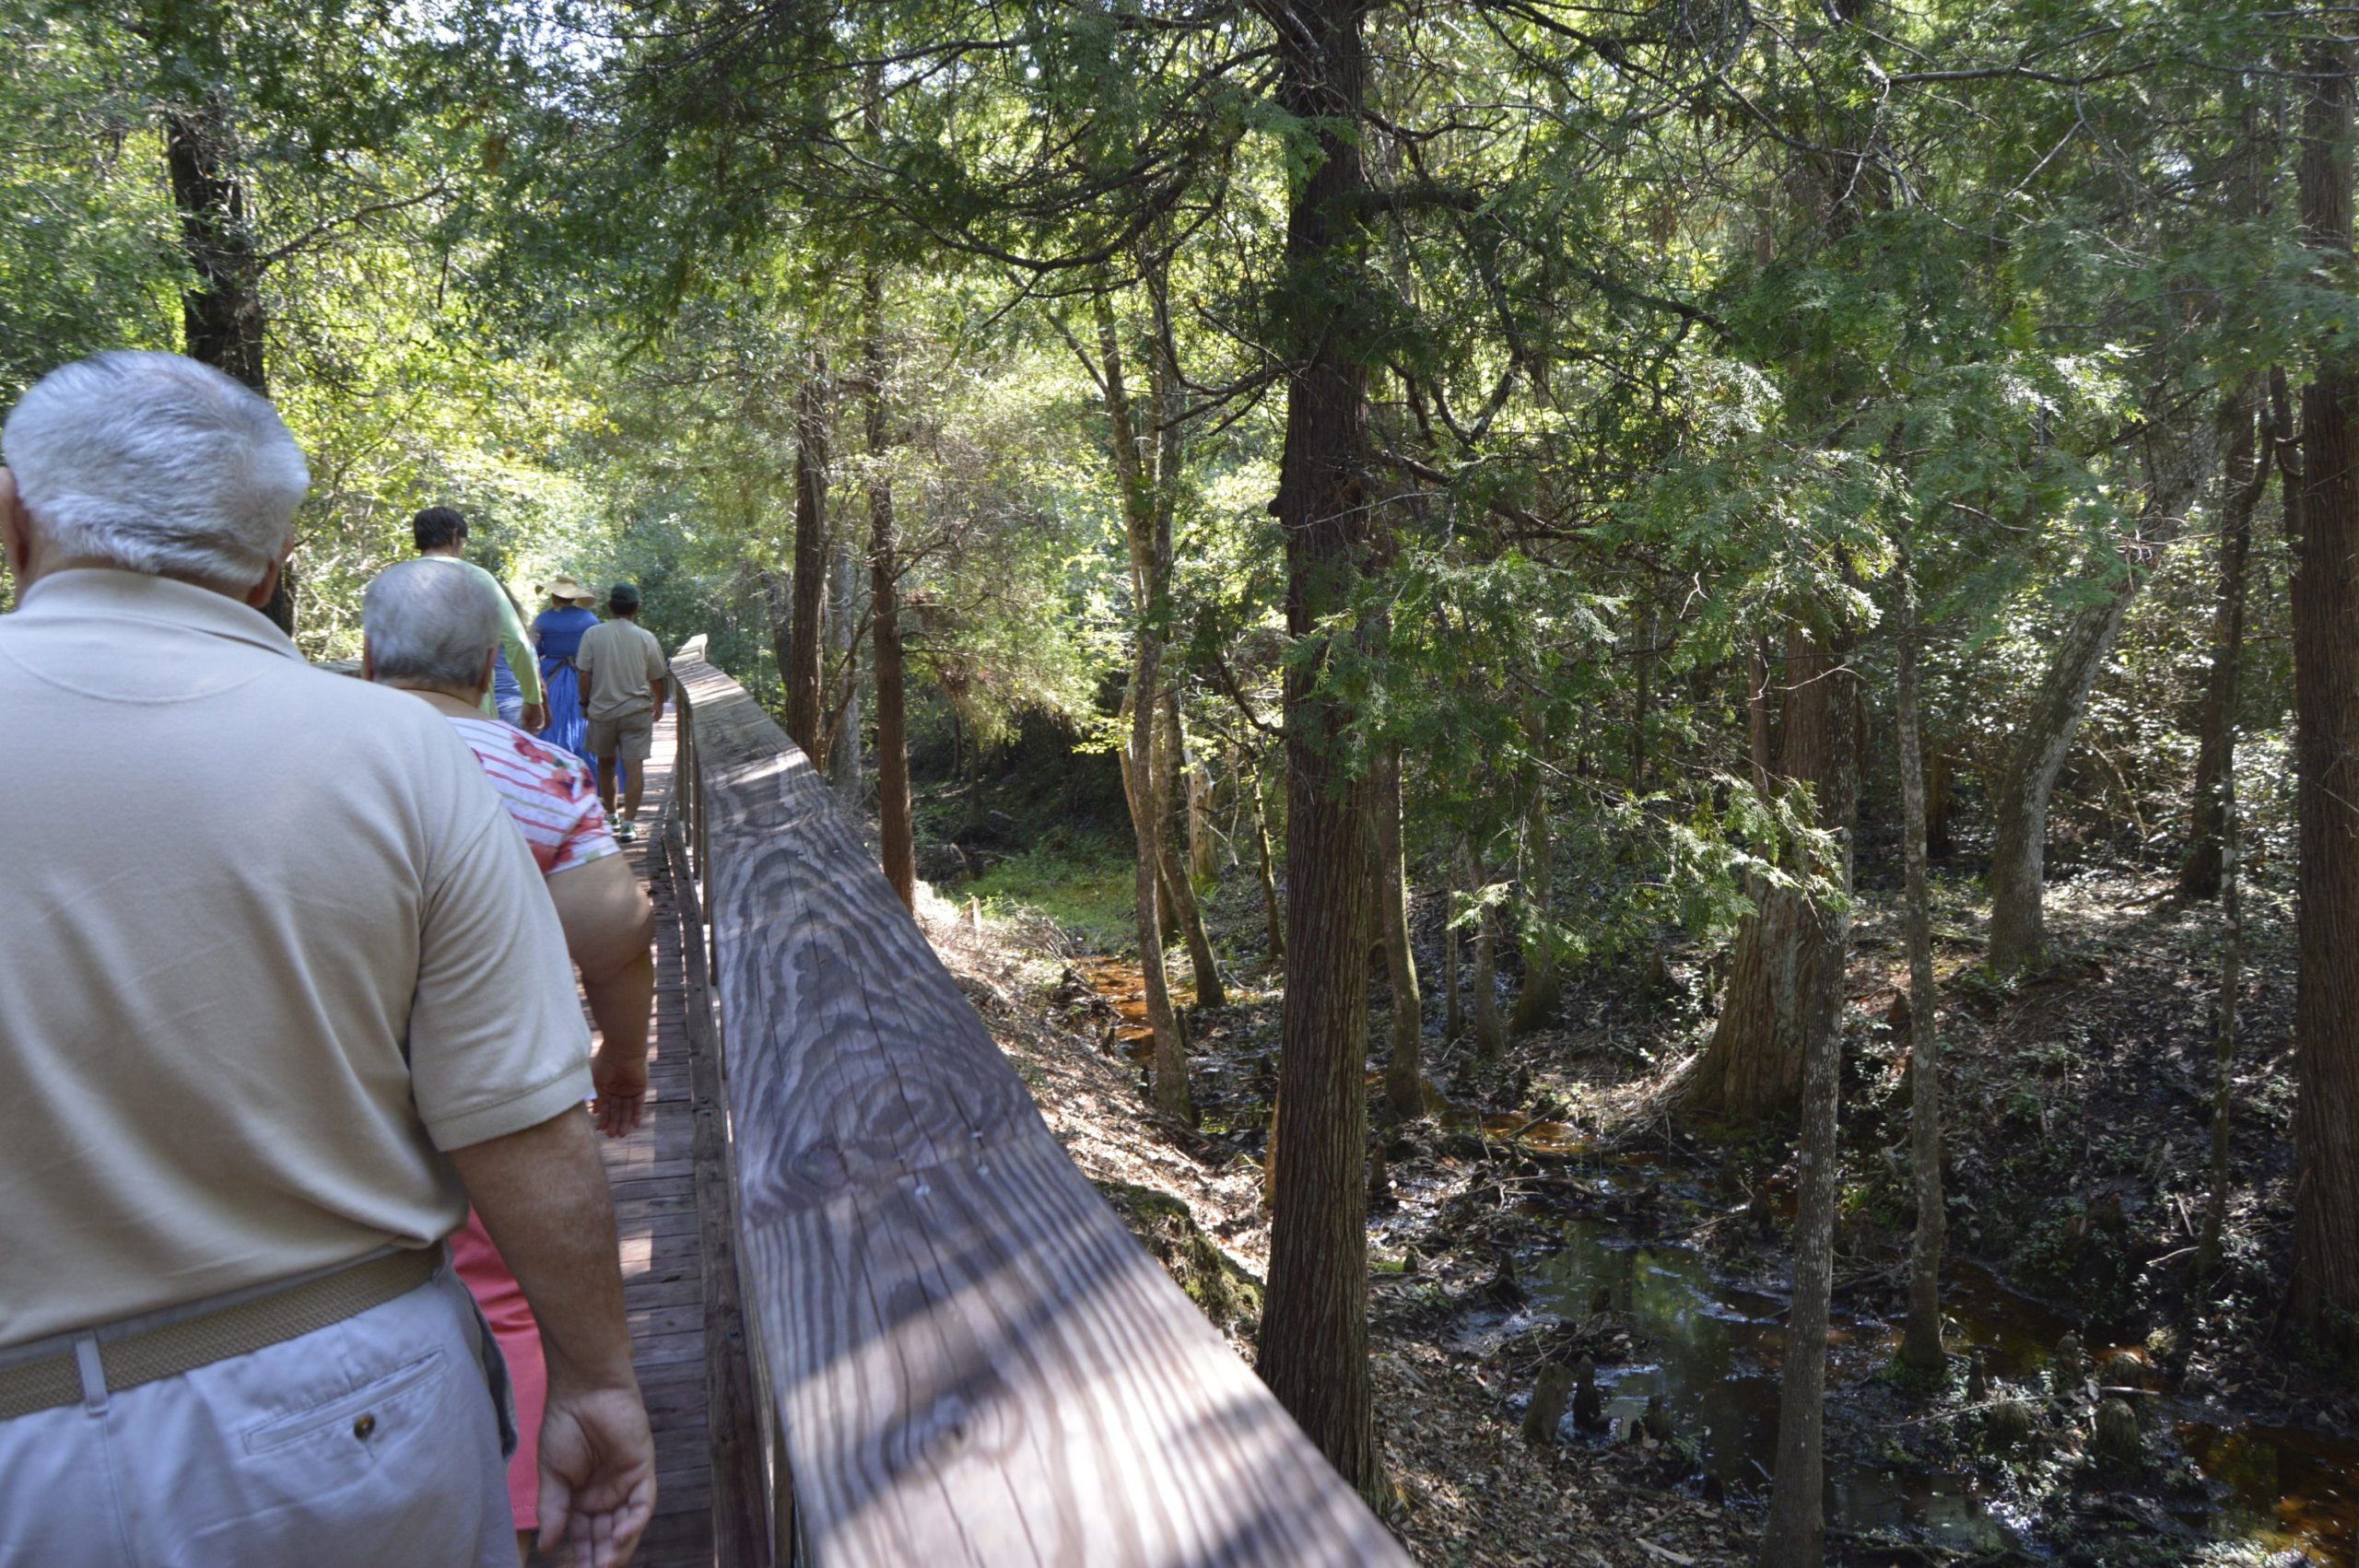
column 1229, row 1294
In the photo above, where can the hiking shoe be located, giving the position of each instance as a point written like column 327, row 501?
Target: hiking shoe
column 625, row 831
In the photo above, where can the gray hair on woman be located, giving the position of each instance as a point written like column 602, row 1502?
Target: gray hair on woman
column 430, row 623
column 152, row 462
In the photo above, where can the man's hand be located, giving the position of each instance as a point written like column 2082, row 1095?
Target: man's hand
column 597, row 1474
column 542, row 1193
column 536, row 718
column 621, row 1080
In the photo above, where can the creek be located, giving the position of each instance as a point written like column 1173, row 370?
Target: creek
column 1709, row 1345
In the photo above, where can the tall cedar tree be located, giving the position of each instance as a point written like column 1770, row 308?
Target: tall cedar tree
column 1825, row 728
column 810, row 586
column 1921, row 1342
column 1313, row 1349
column 894, row 818
column 2326, row 698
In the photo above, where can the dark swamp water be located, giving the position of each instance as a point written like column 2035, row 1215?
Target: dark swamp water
column 1710, row 1344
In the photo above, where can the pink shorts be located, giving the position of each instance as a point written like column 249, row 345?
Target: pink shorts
column 513, row 1323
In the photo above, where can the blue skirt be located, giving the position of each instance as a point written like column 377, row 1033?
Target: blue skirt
column 568, row 727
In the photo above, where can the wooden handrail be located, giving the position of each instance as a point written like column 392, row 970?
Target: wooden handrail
column 957, row 1352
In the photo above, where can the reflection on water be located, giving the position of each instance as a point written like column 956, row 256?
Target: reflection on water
column 1716, row 1348
column 2284, row 1488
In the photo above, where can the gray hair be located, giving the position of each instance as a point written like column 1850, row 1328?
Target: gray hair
column 430, row 622
column 155, row 463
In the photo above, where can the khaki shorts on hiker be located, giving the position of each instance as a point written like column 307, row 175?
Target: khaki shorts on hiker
column 629, row 736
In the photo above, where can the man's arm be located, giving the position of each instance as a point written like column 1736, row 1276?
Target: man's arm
column 610, row 932
column 523, row 660
column 496, row 1070
column 543, row 1196
column 658, row 673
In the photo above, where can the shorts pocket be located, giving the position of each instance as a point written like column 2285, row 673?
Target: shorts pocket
column 380, row 1409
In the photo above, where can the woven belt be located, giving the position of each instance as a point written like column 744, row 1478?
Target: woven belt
column 176, row 1347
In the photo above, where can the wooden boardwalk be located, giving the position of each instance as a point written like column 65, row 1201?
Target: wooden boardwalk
column 653, row 1175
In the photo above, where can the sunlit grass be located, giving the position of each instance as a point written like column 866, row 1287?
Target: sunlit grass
column 1085, row 887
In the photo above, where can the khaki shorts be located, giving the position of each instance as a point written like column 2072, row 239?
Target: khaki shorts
column 372, row 1443
column 629, row 736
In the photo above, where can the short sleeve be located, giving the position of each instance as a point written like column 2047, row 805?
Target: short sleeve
column 586, row 654
column 657, row 667
column 497, row 1041
column 587, row 837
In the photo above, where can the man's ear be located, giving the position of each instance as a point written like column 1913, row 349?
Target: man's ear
column 368, row 659
column 16, row 532
column 485, row 676
column 259, row 595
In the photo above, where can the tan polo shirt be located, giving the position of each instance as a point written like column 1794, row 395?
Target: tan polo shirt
column 624, row 665
column 268, row 943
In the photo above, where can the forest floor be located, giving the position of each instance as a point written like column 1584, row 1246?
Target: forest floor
column 1554, row 1208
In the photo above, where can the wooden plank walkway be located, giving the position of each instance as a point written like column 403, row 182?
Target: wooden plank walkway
column 654, row 1176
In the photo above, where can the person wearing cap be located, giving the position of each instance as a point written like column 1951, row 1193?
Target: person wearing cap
column 515, row 694
column 559, row 630
column 623, row 670
column 433, row 631
column 283, row 993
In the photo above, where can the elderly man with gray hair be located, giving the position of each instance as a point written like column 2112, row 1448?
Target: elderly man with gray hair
column 282, row 994
column 432, row 628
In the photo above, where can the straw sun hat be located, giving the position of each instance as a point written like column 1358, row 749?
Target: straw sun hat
column 566, row 589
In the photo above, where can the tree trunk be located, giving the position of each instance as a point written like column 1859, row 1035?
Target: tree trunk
column 222, row 321
column 1270, row 911
column 1150, row 574
column 1404, row 1081
column 1794, row 1531
column 1453, row 1012
column 843, row 737
column 221, row 316
column 1938, row 845
column 1642, row 701
column 1759, row 748
column 1490, row 1029
column 1203, row 864
column 2326, row 699
column 1189, row 916
column 1314, row 1350
column 1920, row 1340
column 803, row 672
column 894, row 820
column 2019, row 849
column 778, row 609
column 1543, row 988
column 2199, row 874
column 2224, row 1028
column 1786, row 978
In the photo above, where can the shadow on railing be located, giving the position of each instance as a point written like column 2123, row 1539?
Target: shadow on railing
column 917, row 1306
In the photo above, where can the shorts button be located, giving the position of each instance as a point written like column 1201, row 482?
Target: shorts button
column 364, row 1426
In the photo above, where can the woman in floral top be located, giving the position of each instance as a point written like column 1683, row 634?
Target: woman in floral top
column 422, row 621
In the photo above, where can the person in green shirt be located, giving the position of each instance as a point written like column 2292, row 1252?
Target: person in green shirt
column 515, row 695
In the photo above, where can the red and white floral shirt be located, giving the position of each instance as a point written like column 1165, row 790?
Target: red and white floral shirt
column 547, row 791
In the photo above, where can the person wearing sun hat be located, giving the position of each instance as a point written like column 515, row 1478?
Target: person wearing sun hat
column 559, row 629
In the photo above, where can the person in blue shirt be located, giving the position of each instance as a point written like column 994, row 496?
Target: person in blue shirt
column 558, row 629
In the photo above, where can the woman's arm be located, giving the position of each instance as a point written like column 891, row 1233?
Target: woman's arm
column 610, row 934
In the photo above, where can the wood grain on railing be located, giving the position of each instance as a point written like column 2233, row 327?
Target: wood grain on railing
column 965, row 1357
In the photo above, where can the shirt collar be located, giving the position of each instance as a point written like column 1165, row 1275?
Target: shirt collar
column 136, row 596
